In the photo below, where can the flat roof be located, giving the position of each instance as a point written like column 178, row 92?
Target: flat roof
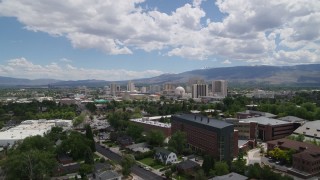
column 265, row 121
column 310, row 128
column 197, row 119
column 29, row 128
column 152, row 122
column 292, row 119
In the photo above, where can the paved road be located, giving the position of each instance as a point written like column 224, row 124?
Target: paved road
column 144, row 174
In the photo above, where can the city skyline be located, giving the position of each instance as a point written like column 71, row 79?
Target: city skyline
column 71, row 40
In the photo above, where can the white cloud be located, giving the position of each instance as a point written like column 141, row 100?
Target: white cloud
column 23, row 68
column 251, row 30
column 66, row 60
column 226, row 62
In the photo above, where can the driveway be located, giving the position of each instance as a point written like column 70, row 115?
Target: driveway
column 253, row 156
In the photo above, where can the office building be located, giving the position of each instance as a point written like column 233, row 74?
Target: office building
column 220, row 88
column 199, row 90
column 305, row 161
column 265, row 128
column 207, row 135
column 310, row 130
column 114, row 88
column 152, row 123
column 131, row 87
column 154, row 89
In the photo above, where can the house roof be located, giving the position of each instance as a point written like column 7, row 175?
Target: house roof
column 163, row 151
column 188, row 164
column 310, row 128
column 230, row 176
column 204, row 120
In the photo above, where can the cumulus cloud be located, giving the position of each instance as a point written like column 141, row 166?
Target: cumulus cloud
column 24, row 68
column 269, row 31
column 226, row 62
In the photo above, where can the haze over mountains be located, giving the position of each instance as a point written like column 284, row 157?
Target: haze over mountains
column 299, row 75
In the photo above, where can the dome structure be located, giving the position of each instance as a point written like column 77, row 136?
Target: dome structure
column 179, row 91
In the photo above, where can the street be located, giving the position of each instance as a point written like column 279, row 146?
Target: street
column 144, row 174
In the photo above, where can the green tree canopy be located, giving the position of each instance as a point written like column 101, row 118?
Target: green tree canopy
column 178, row 141
column 221, row 168
column 127, row 162
column 155, row 138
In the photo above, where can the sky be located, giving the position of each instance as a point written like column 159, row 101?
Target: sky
column 130, row 39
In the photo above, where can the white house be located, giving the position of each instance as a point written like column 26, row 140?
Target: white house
column 165, row 156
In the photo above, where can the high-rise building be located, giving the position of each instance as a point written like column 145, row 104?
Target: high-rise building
column 199, row 90
column 219, row 88
column 143, row 89
column 155, row 89
column 168, row 89
column 207, row 135
column 114, row 88
column 131, row 86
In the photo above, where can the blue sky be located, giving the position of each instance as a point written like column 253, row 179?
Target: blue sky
column 100, row 39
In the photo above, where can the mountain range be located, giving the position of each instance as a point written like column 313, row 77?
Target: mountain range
column 298, row 75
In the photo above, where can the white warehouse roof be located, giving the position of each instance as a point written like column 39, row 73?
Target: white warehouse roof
column 30, row 128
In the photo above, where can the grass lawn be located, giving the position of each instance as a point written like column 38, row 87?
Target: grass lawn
column 180, row 177
column 147, row 161
column 158, row 166
column 151, row 162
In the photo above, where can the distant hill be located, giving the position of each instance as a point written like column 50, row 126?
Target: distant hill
column 299, row 75
column 9, row 81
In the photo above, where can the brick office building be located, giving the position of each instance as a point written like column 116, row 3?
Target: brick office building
column 207, row 135
column 264, row 128
column 150, row 124
column 306, row 160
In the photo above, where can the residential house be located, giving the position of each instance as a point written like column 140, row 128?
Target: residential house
column 165, row 156
column 230, row 176
column 108, row 175
column 187, row 167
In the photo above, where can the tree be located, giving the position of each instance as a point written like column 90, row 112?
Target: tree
column 300, row 138
column 56, row 133
column 178, row 141
column 127, row 162
column 85, row 169
column 89, row 136
column 134, row 131
column 88, row 156
column 76, row 144
column 200, row 175
column 221, row 168
column 155, row 138
column 168, row 174
column 91, row 107
column 35, row 142
column 239, row 165
column 31, row 164
column 208, row 164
